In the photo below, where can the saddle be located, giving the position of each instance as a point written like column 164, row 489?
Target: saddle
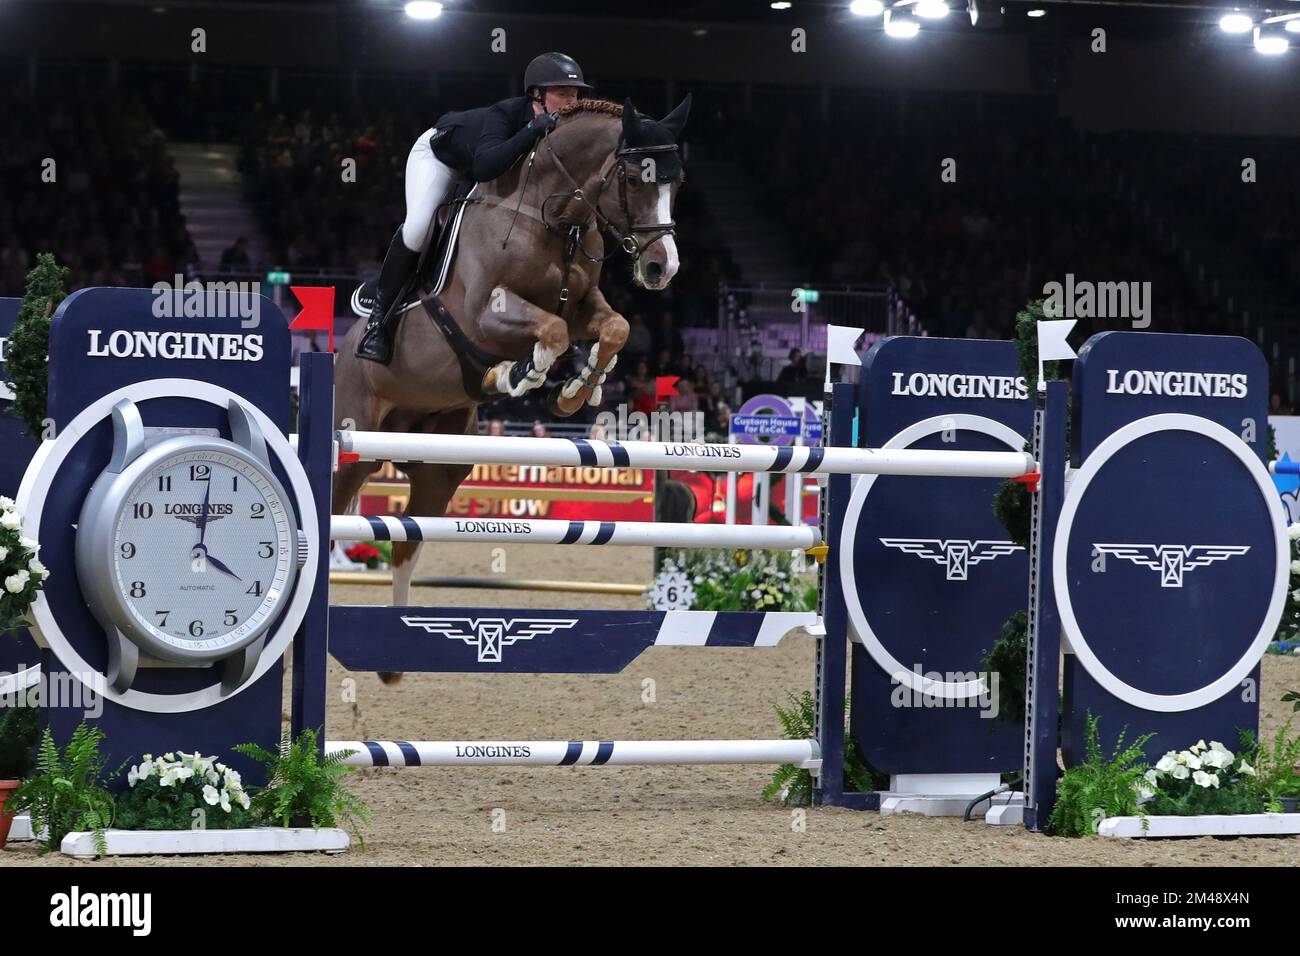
column 435, row 265
column 430, row 279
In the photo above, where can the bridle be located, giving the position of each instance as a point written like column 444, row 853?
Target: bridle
column 572, row 233
column 620, row 171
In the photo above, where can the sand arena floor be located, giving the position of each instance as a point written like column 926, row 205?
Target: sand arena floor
column 653, row 816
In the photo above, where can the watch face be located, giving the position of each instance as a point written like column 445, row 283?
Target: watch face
column 203, row 549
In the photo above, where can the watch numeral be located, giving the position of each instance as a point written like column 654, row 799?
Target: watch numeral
column 270, row 549
column 164, row 482
column 143, row 509
column 258, row 510
column 128, row 550
column 163, row 622
column 137, row 589
column 196, row 628
column 234, row 482
column 231, row 619
column 256, row 589
column 200, row 472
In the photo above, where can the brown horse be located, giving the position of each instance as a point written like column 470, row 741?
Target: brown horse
column 524, row 285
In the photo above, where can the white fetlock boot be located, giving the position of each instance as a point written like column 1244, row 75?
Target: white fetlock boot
column 593, row 377
column 517, row 378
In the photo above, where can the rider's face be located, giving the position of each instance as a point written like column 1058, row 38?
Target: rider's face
column 560, row 96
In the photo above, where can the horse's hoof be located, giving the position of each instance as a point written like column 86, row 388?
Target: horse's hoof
column 390, row 677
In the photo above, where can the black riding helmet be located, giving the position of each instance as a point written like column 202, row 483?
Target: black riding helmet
column 553, row 69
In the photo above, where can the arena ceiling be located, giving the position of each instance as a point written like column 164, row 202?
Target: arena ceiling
column 1058, row 15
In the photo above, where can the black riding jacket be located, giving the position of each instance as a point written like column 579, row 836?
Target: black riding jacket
column 485, row 142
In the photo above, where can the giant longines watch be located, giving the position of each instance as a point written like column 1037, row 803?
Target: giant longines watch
column 187, row 548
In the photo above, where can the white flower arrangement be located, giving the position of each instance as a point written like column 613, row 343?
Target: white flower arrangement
column 740, row 580
column 221, row 786
column 1205, row 766
column 21, row 572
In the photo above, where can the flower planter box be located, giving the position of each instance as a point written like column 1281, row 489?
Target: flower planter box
column 252, row 840
column 1244, row 824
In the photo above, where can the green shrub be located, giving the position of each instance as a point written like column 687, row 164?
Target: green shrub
column 303, row 787
column 66, row 794
column 1100, row 787
column 794, row 785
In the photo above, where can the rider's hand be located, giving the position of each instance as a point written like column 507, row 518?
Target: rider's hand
column 542, row 123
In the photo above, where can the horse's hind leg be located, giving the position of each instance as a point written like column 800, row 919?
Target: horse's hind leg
column 593, row 319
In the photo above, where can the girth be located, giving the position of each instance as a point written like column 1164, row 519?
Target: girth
column 474, row 361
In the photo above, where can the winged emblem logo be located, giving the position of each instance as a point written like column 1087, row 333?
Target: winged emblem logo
column 955, row 554
column 194, row 519
column 1172, row 560
column 490, row 635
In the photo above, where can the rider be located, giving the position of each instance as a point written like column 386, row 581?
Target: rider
column 478, row 145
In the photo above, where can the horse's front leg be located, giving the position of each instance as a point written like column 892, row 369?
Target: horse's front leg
column 514, row 322
column 593, row 319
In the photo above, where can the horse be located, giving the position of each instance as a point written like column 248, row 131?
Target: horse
column 523, row 286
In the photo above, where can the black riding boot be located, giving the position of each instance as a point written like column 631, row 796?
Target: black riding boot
column 381, row 328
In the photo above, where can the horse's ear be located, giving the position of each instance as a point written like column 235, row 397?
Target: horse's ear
column 676, row 120
column 630, row 121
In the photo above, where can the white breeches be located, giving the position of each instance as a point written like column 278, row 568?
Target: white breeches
column 429, row 183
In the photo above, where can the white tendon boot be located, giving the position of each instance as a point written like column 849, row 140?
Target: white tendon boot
column 534, row 377
column 593, row 377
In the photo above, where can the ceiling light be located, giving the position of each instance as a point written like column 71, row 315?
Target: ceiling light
column 1270, row 42
column 780, row 4
column 973, row 9
column 931, row 9
column 1293, row 26
column 1036, row 12
column 900, row 26
column 423, row 10
column 1235, row 22
column 866, row 8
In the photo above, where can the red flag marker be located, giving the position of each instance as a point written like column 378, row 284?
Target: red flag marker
column 317, row 309
column 665, row 387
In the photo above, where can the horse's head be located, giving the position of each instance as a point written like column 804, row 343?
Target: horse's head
column 647, row 174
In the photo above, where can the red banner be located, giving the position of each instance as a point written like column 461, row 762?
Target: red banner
column 527, row 491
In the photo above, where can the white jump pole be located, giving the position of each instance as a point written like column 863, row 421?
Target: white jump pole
column 576, row 753
column 579, row 453
column 552, row 531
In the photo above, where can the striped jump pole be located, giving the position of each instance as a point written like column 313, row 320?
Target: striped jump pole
column 589, row 453
column 552, row 531
column 573, row 753
column 1284, row 467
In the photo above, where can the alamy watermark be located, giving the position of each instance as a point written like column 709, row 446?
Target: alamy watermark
column 208, row 300
column 1082, row 299
column 622, row 425
column 907, row 691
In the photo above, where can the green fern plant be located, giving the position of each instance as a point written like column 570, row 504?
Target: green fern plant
column 303, row 788
column 795, row 783
column 66, row 794
column 1277, row 766
column 1100, row 787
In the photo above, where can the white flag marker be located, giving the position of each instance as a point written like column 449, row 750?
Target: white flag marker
column 1052, row 345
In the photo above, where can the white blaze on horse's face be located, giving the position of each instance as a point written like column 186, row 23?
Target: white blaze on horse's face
column 658, row 263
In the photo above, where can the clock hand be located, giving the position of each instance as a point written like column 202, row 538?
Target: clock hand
column 215, row 563
column 203, row 516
